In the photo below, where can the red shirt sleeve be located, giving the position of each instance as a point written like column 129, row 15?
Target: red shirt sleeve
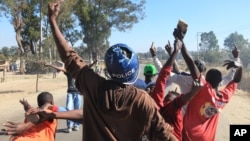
column 159, row 90
column 55, row 108
column 229, row 90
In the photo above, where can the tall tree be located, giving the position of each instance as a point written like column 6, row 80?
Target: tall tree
column 68, row 22
column 235, row 38
column 98, row 17
column 14, row 9
column 209, row 41
column 67, row 26
column 5, row 51
column 243, row 44
column 208, row 46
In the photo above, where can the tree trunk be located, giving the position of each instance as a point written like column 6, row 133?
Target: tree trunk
column 90, row 56
column 94, row 56
column 21, row 69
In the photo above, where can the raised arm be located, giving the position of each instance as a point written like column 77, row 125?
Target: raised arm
column 238, row 75
column 230, row 75
column 61, row 43
column 168, row 48
column 56, row 67
column 67, row 54
column 233, row 64
column 159, row 90
column 179, row 33
column 177, row 46
column 25, row 103
column 156, row 61
column 190, row 63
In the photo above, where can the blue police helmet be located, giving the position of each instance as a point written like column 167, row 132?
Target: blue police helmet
column 122, row 63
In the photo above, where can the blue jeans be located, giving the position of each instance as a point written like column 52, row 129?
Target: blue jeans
column 74, row 102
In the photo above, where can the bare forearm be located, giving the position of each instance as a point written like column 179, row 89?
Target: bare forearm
column 26, row 107
column 12, row 128
column 72, row 114
column 238, row 75
column 176, row 68
column 171, row 59
column 190, row 63
column 175, row 65
column 188, row 96
column 58, row 68
column 61, row 43
column 73, row 62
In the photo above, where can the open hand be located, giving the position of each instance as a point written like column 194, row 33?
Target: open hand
column 12, row 128
column 25, row 104
column 231, row 64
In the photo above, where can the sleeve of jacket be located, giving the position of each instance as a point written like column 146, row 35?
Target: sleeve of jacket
column 156, row 128
column 157, row 63
column 159, row 90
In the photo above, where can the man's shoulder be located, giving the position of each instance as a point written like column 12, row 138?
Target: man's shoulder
column 132, row 90
column 139, row 83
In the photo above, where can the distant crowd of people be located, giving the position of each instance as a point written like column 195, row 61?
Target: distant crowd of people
column 122, row 107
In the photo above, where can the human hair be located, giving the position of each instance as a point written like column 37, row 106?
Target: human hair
column 214, row 77
column 43, row 98
column 200, row 65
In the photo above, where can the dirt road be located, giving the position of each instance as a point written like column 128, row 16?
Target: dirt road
column 24, row 86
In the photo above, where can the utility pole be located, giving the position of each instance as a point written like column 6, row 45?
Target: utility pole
column 41, row 29
column 198, row 52
column 40, row 45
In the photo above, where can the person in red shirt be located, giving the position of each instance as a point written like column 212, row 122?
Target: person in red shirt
column 202, row 114
column 171, row 106
column 44, row 131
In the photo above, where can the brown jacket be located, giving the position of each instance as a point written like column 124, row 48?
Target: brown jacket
column 114, row 111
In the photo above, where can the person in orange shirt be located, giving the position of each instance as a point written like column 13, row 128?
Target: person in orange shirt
column 44, row 131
